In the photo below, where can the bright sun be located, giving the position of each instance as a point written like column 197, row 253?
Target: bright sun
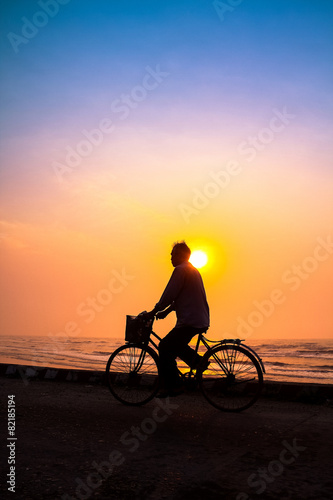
column 198, row 258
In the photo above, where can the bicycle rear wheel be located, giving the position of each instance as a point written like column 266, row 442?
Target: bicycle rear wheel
column 233, row 380
column 132, row 374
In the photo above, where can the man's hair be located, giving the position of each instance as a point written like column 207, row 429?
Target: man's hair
column 182, row 248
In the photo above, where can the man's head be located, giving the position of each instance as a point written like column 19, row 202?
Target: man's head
column 180, row 253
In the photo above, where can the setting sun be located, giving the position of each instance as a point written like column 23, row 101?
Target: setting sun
column 199, row 259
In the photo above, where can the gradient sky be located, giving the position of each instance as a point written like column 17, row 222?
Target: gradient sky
column 228, row 146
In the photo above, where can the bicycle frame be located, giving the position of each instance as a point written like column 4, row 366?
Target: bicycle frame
column 206, row 342
column 150, row 341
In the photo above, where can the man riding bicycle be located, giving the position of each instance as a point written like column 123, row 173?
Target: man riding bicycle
column 185, row 294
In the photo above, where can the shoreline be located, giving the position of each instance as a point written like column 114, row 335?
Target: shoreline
column 315, row 393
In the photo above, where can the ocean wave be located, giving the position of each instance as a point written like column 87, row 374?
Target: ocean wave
column 103, row 353
column 275, row 363
column 326, row 367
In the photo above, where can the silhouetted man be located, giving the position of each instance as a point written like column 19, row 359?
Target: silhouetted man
column 185, row 294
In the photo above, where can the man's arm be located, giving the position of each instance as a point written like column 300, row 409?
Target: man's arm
column 170, row 293
column 160, row 314
column 164, row 314
column 172, row 289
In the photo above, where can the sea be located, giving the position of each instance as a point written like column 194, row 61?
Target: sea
column 302, row 361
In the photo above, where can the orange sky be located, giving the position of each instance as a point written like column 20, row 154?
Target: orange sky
column 107, row 256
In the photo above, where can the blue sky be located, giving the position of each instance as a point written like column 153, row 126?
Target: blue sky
column 91, row 51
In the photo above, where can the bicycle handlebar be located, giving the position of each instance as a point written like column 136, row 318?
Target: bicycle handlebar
column 145, row 313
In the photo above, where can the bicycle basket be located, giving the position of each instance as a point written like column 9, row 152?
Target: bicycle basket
column 137, row 329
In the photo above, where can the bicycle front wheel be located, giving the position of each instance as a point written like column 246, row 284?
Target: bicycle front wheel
column 132, row 374
column 233, row 379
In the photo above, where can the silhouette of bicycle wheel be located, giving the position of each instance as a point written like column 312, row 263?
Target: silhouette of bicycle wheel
column 132, row 374
column 233, row 379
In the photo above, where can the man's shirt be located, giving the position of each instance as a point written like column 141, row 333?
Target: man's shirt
column 186, row 290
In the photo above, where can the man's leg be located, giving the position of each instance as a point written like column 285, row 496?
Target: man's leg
column 167, row 360
column 185, row 352
column 173, row 345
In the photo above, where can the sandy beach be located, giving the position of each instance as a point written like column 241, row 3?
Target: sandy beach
column 74, row 440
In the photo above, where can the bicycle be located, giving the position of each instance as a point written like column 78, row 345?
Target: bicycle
column 230, row 374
